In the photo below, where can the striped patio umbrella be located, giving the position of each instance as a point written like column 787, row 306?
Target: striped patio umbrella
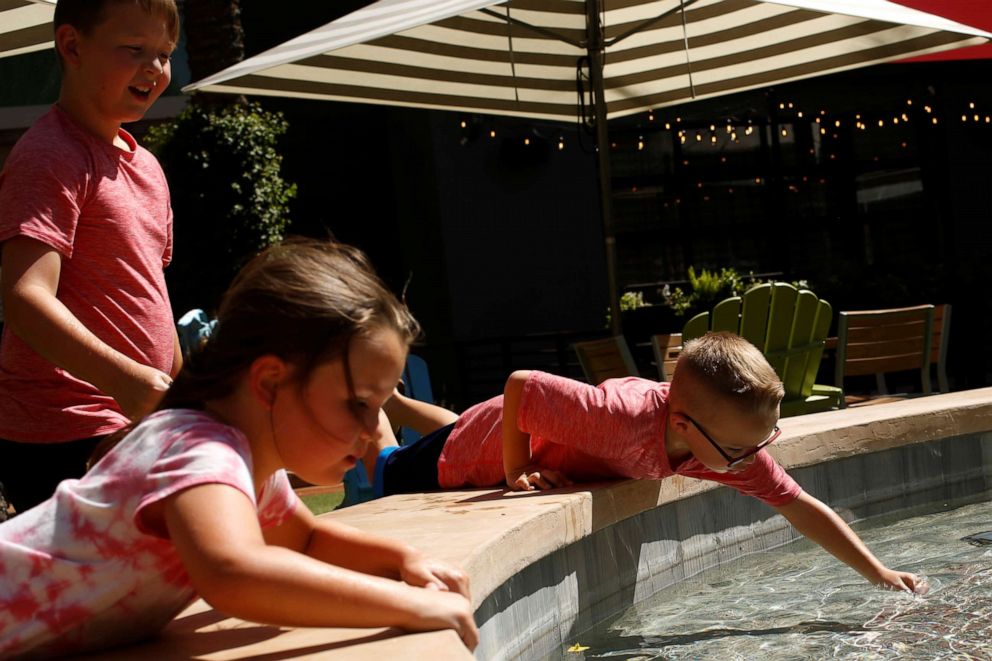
column 25, row 26
column 554, row 59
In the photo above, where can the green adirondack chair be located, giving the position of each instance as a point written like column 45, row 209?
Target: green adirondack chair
column 789, row 326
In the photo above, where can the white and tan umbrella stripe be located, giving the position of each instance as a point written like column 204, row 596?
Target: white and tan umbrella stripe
column 468, row 58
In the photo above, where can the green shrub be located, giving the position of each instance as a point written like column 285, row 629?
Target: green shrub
column 705, row 289
column 228, row 197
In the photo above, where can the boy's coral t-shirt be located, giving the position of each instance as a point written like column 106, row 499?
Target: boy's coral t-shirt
column 106, row 211
column 84, row 570
column 615, row 429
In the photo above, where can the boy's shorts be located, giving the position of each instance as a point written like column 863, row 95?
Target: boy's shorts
column 411, row 468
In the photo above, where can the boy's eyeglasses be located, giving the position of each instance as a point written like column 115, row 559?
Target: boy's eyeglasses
column 733, row 461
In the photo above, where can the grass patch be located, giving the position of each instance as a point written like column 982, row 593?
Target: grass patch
column 322, row 502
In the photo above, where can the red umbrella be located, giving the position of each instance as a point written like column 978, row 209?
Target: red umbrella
column 977, row 13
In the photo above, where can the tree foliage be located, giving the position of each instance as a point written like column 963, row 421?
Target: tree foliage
column 228, row 196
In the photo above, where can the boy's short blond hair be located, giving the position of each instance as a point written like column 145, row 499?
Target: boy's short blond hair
column 84, row 15
column 728, row 366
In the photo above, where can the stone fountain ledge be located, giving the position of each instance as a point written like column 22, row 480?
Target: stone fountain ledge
column 495, row 535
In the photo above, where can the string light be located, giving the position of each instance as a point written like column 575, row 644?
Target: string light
column 526, row 141
column 464, row 124
column 492, row 133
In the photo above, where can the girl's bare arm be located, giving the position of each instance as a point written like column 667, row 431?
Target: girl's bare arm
column 215, row 530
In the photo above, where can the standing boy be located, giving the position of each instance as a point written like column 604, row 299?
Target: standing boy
column 712, row 423
column 89, row 341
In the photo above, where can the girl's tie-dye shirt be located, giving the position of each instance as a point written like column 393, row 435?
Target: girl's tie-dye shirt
column 85, row 569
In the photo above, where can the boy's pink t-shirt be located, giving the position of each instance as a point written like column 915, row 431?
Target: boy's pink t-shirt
column 107, row 213
column 616, row 429
column 84, row 570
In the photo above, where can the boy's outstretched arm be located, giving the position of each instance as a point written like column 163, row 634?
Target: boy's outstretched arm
column 521, row 472
column 31, row 272
column 822, row 525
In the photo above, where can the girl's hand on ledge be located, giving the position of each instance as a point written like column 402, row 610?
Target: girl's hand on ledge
column 424, row 572
column 445, row 610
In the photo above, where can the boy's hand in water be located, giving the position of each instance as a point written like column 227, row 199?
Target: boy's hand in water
column 532, row 478
column 424, row 572
column 903, row 581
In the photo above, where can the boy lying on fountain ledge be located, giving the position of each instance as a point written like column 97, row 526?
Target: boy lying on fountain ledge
column 711, row 422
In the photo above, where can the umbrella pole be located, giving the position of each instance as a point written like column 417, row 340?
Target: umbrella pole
column 595, row 46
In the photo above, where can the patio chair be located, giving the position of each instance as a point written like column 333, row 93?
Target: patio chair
column 193, row 329
column 940, row 341
column 604, row 359
column 789, row 326
column 666, row 348
column 877, row 342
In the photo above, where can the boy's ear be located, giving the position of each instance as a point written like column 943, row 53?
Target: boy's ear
column 67, row 44
column 680, row 422
column 265, row 376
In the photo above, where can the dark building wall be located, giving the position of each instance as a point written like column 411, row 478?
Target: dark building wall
column 522, row 230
